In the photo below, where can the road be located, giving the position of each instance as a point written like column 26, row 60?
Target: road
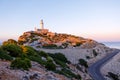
column 94, row 69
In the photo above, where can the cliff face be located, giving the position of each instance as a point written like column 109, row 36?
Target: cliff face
column 45, row 39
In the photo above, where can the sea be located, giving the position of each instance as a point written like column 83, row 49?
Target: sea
column 112, row 44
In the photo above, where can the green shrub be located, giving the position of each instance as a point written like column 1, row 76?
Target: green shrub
column 19, row 63
column 59, row 56
column 95, row 53
column 59, row 59
column 42, row 53
column 87, row 57
column 78, row 44
column 79, row 68
column 13, row 49
column 23, row 56
column 4, row 55
column 78, row 77
column 50, row 66
column 37, row 59
column 10, row 41
column 63, row 73
column 51, row 55
column 114, row 76
column 29, row 50
column 69, row 74
column 49, row 59
column 62, row 64
column 50, row 46
column 83, row 63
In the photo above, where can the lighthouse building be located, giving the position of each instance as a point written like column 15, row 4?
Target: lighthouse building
column 42, row 29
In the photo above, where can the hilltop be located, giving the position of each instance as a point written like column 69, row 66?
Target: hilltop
column 46, row 39
column 43, row 38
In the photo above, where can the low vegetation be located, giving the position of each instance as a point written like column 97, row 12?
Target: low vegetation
column 28, row 50
column 37, row 59
column 50, row 65
column 12, row 49
column 95, row 53
column 113, row 76
column 87, row 57
column 4, row 55
column 59, row 59
column 69, row 74
column 49, row 46
column 82, row 62
column 42, row 53
column 10, row 41
column 62, row 61
column 78, row 44
column 21, row 57
column 59, row 56
column 20, row 63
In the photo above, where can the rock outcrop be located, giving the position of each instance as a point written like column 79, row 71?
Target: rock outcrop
column 47, row 39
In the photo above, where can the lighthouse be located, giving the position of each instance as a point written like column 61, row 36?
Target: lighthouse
column 41, row 24
column 41, row 30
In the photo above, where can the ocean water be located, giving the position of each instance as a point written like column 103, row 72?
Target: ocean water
column 112, row 44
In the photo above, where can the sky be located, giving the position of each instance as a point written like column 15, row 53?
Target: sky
column 94, row 19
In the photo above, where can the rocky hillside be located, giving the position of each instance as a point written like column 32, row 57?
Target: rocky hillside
column 36, row 72
column 43, row 55
column 76, row 49
column 26, row 63
column 54, row 40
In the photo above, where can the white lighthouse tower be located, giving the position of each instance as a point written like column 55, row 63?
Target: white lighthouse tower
column 41, row 30
column 41, row 24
